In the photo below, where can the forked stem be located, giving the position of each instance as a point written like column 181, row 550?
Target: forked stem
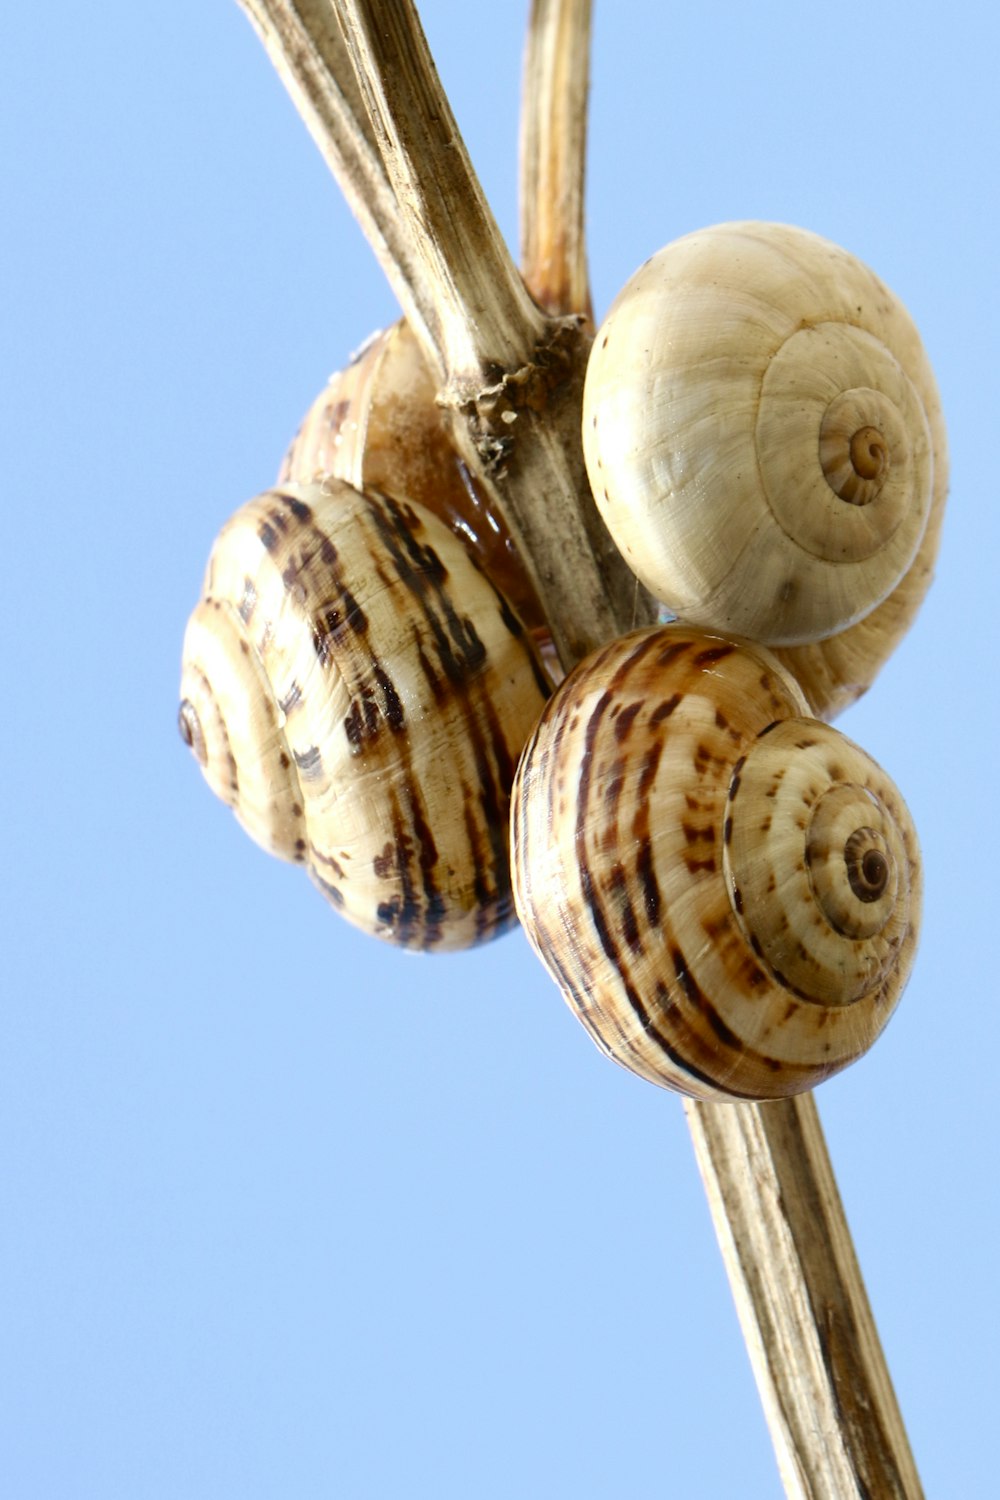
column 511, row 372
column 511, row 376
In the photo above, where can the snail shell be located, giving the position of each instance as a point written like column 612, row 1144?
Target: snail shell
column 835, row 672
column 763, row 433
column 377, row 425
column 726, row 891
column 358, row 691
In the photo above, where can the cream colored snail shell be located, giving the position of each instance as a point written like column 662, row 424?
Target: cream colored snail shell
column 377, row 425
column 763, row 433
column 835, row 672
column 726, row 891
column 358, row 692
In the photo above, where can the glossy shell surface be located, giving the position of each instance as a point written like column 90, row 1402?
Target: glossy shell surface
column 726, row 890
column 358, row 691
column 763, row 434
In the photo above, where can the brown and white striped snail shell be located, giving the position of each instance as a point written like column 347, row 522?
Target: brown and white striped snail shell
column 358, row 691
column 763, row 435
column 377, row 425
column 726, row 890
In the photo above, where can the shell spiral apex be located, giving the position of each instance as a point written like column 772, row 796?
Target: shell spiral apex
column 762, row 432
column 358, row 691
column 726, row 891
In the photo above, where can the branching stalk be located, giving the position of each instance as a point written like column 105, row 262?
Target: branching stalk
column 511, row 376
column 511, row 371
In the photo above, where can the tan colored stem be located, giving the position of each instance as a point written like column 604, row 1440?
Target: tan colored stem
column 512, row 377
column 553, row 155
column 306, row 46
column 488, row 320
column 822, row 1376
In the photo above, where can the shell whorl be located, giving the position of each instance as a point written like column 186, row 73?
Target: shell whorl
column 835, row 672
column 761, row 429
column 358, row 691
column 726, row 891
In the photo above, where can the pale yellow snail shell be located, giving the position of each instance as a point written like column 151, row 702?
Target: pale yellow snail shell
column 377, row 425
column 835, row 672
column 358, row 691
column 726, row 891
column 763, row 435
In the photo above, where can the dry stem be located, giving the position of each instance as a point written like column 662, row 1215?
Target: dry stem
column 305, row 43
column 487, row 319
column 553, row 155
column 820, row 1369
column 513, row 377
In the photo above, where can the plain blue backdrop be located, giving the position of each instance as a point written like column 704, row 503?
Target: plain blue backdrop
column 286, row 1213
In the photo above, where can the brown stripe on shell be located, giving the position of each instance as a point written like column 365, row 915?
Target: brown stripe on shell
column 450, row 653
column 416, row 917
column 404, row 684
column 625, row 719
column 656, row 996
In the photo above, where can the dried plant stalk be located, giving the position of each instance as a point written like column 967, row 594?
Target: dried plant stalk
column 306, row 45
column 487, row 319
column 819, row 1366
column 553, row 156
column 512, row 375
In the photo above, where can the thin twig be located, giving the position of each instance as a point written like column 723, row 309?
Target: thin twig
column 553, row 155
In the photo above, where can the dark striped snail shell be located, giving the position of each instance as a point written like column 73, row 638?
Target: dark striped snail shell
column 764, row 438
column 358, row 691
column 726, row 890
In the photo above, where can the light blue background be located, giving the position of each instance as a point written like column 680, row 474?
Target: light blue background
column 288, row 1214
